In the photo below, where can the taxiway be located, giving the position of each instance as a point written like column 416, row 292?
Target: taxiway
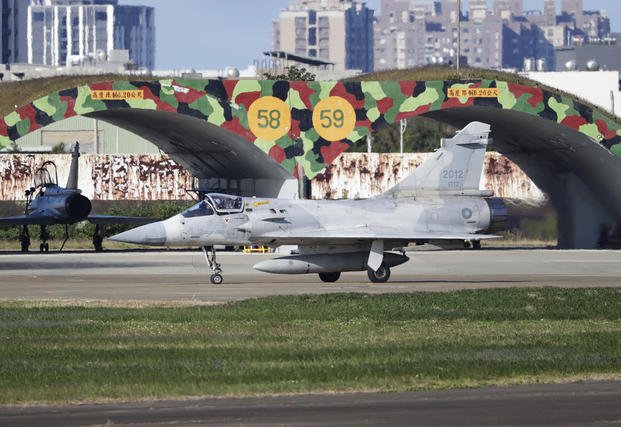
column 184, row 276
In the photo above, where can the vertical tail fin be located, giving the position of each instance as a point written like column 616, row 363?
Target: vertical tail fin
column 72, row 181
column 455, row 168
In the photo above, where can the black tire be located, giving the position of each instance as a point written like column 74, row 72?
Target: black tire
column 98, row 243
column 330, row 277
column 380, row 276
column 41, row 247
column 216, row 279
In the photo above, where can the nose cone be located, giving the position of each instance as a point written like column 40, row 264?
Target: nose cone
column 153, row 234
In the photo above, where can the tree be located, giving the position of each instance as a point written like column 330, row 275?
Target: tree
column 13, row 148
column 59, row 148
column 292, row 73
column 422, row 135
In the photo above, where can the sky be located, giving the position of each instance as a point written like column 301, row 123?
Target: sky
column 214, row 34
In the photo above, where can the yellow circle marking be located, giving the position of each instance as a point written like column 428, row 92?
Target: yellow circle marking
column 269, row 118
column 334, row 118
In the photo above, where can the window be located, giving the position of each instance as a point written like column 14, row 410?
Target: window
column 224, row 203
column 312, row 36
column 199, row 209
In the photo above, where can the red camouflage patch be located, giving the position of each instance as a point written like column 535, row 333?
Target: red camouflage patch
column 519, row 90
column 229, row 86
column 161, row 105
column 330, row 152
column 278, row 154
column 28, row 112
column 305, row 92
column 603, row 129
column 383, row 105
column 188, row 97
column 339, row 90
column 574, row 122
column 407, row 87
column 236, row 127
column 247, row 98
column 70, row 103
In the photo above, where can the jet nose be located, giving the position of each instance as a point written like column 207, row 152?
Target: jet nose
column 153, row 234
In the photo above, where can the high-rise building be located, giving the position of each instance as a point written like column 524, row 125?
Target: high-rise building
column 13, row 14
column 478, row 10
column 412, row 33
column 338, row 31
column 66, row 32
column 504, row 9
column 575, row 9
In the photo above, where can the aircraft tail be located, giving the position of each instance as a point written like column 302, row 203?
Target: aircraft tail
column 455, row 168
column 72, row 181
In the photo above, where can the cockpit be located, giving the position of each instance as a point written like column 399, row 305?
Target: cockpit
column 215, row 203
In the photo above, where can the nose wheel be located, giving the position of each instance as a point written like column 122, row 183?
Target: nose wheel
column 380, row 276
column 216, row 272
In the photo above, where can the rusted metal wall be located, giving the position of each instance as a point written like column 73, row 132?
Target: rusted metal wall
column 157, row 177
column 361, row 175
column 125, row 177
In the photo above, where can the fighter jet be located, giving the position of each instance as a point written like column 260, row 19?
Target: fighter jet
column 47, row 204
column 440, row 202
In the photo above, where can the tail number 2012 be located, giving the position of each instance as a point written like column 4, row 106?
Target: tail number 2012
column 452, row 174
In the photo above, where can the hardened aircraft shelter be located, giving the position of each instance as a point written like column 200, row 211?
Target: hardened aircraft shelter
column 259, row 134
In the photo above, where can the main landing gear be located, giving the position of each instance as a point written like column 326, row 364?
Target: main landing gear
column 98, row 239
column 44, row 236
column 24, row 238
column 380, row 276
column 210, row 256
column 330, row 277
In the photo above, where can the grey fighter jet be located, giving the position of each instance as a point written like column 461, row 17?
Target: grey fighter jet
column 48, row 204
column 439, row 202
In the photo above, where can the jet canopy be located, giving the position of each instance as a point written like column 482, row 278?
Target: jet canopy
column 215, row 203
column 46, row 175
column 225, row 203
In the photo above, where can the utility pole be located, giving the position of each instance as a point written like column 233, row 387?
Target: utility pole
column 458, row 34
column 403, row 124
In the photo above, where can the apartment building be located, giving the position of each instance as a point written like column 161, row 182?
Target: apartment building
column 337, row 31
column 80, row 32
column 414, row 33
column 13, row 14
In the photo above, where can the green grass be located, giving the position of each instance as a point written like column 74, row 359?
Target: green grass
column 52, row 353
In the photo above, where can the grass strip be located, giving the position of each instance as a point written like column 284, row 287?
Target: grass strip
column 304, row 344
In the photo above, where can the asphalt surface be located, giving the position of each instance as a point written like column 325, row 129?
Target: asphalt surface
column 579, row 404
column 184, row 276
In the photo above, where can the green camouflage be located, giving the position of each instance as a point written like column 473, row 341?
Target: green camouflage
column 226, row 103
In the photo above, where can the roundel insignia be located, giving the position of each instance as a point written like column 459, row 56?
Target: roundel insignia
column 334, row 118
column 466, row 213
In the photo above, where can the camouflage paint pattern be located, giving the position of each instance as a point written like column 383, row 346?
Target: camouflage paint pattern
column 226, row 103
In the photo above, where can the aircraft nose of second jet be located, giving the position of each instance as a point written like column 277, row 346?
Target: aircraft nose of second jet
column 151, row 234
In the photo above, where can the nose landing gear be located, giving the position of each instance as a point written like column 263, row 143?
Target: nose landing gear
column 210, row 256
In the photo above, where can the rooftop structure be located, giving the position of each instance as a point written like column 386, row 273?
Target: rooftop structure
column 337, row 31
